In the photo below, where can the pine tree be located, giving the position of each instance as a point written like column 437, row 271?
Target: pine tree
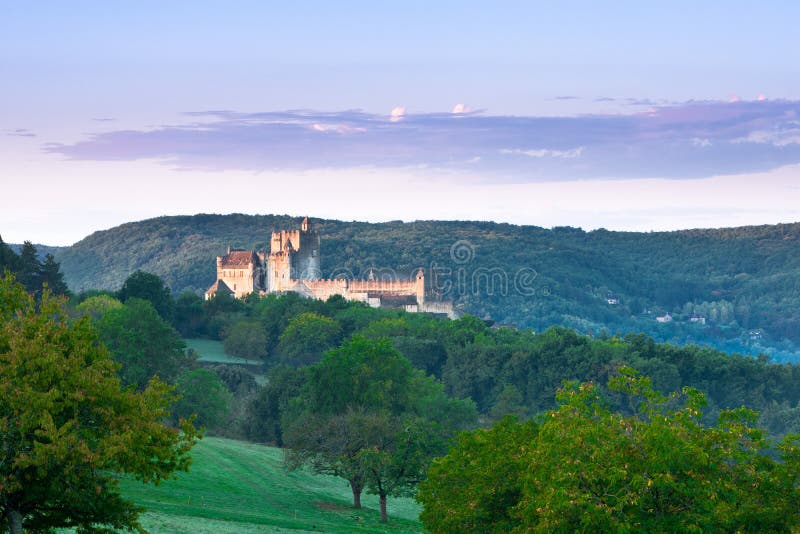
column 9, row 261
column 29, row 270
column 51, row 275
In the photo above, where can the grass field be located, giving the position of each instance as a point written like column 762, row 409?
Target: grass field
column 210, row 350
column 241, row 487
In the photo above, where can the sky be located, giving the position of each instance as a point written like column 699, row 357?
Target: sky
column 623, row 115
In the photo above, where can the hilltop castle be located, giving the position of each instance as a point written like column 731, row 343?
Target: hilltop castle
column 293, row 264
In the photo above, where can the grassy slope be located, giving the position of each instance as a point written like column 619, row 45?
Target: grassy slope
column 241, row 487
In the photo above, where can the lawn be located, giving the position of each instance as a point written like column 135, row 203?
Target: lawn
column 235, row 486
column 210, row 350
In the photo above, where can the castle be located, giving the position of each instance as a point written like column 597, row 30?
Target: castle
column 293, row 264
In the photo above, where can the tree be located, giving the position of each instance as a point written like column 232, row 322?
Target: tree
column 29, row 268
column 368, row 416
column 247, row 339
column 587, row 468
column 149, row 287
column 9, row 261
column 68, row 428
column 265, row 411
column 203, row 395
column 98, row 305
column 144, row 345
column 50, row 274
column 306, row 337
column 189, row 318
column 475, row 487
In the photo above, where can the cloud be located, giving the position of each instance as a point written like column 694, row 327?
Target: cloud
column 686, row 140
column 779, row 137
column 545, row 152
column 567, row 97
column 20, row 132
column 701, row 143
column 397, row 113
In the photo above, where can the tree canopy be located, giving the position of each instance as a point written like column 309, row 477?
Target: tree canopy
column 67, row 427
column 150, row 287
column 367, row 415
column 144, row 345
column 584, row 467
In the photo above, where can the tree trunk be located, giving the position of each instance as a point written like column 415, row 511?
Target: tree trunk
column 356, row 487
column 14, row 521
column 384, row 518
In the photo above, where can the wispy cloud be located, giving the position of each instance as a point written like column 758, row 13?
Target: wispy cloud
column 20, row 132
column 545, row 152
column 687, row 140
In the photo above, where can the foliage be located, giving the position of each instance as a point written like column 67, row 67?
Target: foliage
column 144, row 345
column 67, row 426
column 366, row 415
column 189, row 318
column 239, row 381
column 741, row 279
column 98, row 305
column 149, row 287
column 585, row 467
column 202, row 395
column 306, row 337
column 30, row 272
column 475, row 487
column 268, row 407
column 247, row 339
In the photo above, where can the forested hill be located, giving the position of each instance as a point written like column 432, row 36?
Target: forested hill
column 735, row 288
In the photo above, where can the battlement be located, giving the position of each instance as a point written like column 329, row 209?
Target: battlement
column 297, row 251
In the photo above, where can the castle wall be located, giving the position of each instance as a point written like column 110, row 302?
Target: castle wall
column 243, row 280
column 293, row 264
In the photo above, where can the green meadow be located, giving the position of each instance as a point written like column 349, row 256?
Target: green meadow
column 241, row 487
column 209, row 350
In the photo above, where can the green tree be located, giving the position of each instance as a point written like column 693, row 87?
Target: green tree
column 97, row 306
column 203, row 395
column 190, row 317
column 475, row 487
column 588, row 468
column 51, row 275
column 9, row 261
column 29, row 269
column 306, row 337
column 144, row 345
column 67, row 428
column 247, row 339
column 368, row 416
column 265, row 411
column 149, row 287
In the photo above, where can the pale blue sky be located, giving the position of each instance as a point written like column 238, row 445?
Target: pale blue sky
column 148, row 65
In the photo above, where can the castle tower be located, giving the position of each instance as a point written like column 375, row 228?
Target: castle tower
column 306, row 258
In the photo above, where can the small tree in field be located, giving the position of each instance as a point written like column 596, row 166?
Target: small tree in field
column 67, row 428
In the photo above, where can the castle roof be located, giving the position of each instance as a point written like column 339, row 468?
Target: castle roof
column 219, row 285
column 239, row 258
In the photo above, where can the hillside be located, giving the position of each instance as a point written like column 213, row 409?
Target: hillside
column 741, row 285
column 235, row 486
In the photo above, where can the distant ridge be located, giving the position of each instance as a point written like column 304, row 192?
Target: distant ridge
column 743, row 282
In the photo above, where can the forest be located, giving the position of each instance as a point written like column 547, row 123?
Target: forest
column 735, row 289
